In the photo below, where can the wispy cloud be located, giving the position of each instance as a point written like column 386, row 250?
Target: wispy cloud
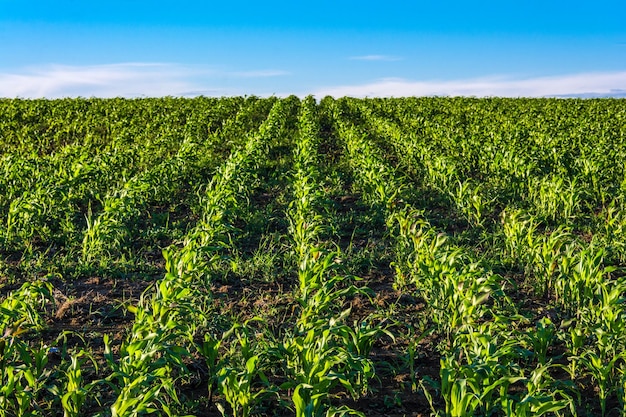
column 127, row 79
column 585, row 84
column 375, row 58
column 121, row 80
column 162, row 79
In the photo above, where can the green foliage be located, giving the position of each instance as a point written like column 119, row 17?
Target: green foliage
column 493, row 228
column 23, row 371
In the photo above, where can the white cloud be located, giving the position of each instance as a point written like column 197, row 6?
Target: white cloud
column 127, row 79
column 599, row 84
column 376, row 58
column 162, row 79
column 121, row 80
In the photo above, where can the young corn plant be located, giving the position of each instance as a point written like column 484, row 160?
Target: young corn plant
column 612, row 223
column 520, row 234
column 479, row 375
column 319, row 364
column 542, row 396
column 241, row 380
column 209, row 350
column 621, row 389
column 409, row 239
column 154, row 349
column 555, row 198
column 455, row 289
column 544, row 257
column 471, row 202
column 550, row 255
column 582, row 286
column 541, row 338
column 604, row 373
column 476, row 374
column 23, row 371
column 24, row 377
column 358, row 340
column 75, row 391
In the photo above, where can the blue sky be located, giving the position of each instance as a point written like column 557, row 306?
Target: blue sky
column 358, row 48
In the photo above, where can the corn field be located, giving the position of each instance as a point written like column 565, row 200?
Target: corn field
column 252, row 256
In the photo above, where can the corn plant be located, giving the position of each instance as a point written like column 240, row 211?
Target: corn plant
column 75, row 391
column 411, row 228
column 541, row 338
column 209, row 350
column 582, row 285
column 471, row 201
column 147, row 360
column 612, row 224
column 555, row 198
column 479, row 374
column 603, row 372
column 455, row 289
column 319, row 364
column 242, row 384
column 551, row 254
column 519, row 231
column 542, row 396
column 24, row 377
column 23, row 371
